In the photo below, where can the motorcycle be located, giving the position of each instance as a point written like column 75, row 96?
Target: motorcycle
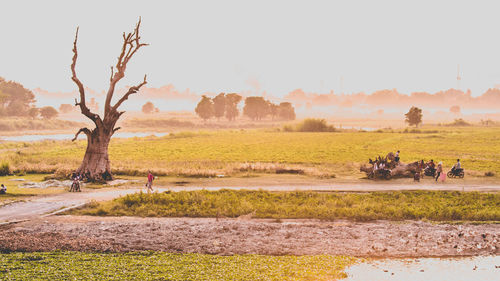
column 456, row 173
column 75, row 186
column 381, row 174
column 430, row 172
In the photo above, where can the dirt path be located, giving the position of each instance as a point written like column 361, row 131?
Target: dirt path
column 43, row 205
column 251, row 236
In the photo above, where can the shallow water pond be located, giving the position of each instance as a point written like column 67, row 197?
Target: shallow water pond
column 427, row 269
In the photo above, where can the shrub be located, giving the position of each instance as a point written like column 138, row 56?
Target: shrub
column 311, row 125
column 4, row 169
column 459, row 123
column 489, row 174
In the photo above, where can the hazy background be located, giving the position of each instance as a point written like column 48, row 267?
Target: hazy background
column 270, row 48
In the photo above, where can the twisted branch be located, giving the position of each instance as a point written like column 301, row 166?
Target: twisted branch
column 131, row 90
column 82, row 130
column 131, row 44
column 83, row 106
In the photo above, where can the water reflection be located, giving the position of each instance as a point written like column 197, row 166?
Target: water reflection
column 70, row 136
column 427, row 269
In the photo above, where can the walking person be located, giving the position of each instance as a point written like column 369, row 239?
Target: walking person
column 439, row 170
column 149, row 185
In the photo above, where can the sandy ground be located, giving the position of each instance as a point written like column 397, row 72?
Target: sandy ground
column 251, row 236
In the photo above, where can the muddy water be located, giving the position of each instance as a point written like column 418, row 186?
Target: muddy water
column 70, row 136
column 427, row 269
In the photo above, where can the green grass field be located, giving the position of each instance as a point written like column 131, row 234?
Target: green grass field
column 203, row 154
column 400, row 205
column 14, row 193
column 166, row 266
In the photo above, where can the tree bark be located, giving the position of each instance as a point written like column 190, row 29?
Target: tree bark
column 95, row 165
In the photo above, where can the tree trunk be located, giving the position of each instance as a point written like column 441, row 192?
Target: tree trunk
column 95, row 165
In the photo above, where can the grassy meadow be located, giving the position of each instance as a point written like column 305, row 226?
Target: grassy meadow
column 233, row 152
column 397, row 205
column 14, row 193
column 166, row 266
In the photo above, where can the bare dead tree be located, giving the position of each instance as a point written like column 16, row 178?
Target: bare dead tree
column 95, row 164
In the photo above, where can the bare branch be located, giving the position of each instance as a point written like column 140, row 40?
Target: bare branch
column 112, row 72
column 116, row 129
column 131, row 90
column 83, row 106
column 131, row 44
column 82, row 130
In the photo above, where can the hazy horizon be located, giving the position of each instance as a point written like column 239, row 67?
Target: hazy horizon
column 258, row 47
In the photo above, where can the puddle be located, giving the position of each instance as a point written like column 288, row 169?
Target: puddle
column 427, row 269
column 70, row 136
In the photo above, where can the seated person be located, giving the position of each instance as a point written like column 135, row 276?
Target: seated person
column 457, row 167
column 396, row 158
column 3, row 189
column 431, row 164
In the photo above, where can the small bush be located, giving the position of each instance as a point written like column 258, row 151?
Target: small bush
column 459, row 123
column 4, row 169
column 489, row 174
column 310, row 125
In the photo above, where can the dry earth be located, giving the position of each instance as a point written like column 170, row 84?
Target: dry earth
column 251, row 236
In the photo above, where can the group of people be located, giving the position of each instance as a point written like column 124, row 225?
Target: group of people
column 430, row 168
column 380, row 165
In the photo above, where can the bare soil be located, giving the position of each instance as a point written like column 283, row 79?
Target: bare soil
column 251, row 236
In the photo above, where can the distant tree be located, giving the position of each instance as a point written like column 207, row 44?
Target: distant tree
column 65, row 108
column 148, row 108
column 33, row 112
column 455, row 109
column 273, row 110
column 219, row 105
column 256, row 108
column 48, row 112
column 17, row 108
column 232, row 101
column 414, row 116
column 15, row 100
column 286, row 111
column 205, row 108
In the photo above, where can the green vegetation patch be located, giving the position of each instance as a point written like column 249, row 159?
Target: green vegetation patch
column 203, row 154
column 397, row 205
column 166, row 266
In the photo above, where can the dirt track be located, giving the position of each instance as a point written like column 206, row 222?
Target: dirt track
column 251, row 236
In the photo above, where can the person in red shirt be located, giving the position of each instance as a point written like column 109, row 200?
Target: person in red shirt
column 150, row 181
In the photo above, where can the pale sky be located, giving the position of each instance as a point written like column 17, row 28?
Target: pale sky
column 272, row 46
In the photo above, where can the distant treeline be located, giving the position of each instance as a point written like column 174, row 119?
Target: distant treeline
column 451, row 99
column 17, row 101
column 256, row 108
